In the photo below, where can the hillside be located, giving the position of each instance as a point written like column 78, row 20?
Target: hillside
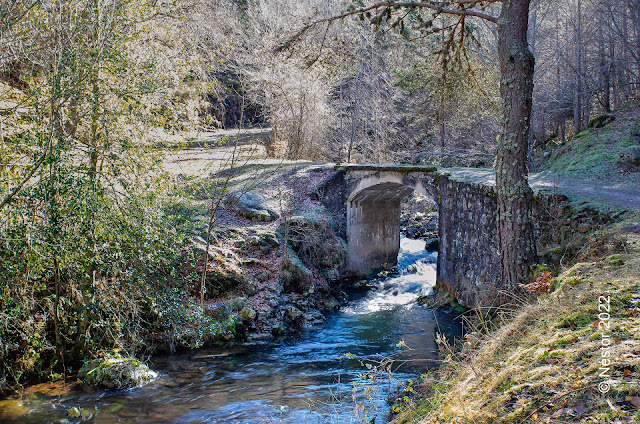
column 604, row 152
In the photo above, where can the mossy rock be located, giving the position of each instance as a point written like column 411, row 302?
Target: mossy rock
column 75, row 412
column 432, row 245
column 601, row 121
column 248, row 314
column 267, row 239
column 254, row 206
column 224, row 271
column 116, row 373
column 237, row 303
column 221, row 281
column 630, row 156
column 295, row 275
column 554, row 255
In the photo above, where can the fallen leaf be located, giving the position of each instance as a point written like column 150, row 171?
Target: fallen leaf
column 635, row 401
column 520, row 404
column 580, row 408
column 627, row 372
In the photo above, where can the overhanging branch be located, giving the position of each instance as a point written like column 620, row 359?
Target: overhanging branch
column 438, row 7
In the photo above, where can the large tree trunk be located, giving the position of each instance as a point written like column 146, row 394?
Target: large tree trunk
column 515, row 197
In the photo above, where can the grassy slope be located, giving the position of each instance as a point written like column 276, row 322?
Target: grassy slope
column 593, row 153
column 543, row 362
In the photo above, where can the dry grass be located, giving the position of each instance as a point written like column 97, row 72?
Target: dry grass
column 542, row 365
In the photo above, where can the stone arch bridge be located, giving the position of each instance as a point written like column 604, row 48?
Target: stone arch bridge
column 364, row 201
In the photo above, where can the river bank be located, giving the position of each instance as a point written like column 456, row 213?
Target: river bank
column 570, row 353
column 313, row 377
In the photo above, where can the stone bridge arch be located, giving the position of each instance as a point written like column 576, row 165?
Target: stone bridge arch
column 373, row 209
column 364, row 201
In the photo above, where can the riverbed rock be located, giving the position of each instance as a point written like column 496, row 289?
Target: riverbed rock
column 313, row 318
column 252, row 205
column 419, row 224
column 293, row 314
column 75, row 412
column 114, row 372
column 278, row 330
column 261, row 337
column 331, row 303
column 432, row 245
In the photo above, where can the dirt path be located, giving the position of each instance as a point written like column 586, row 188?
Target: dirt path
column 622, row 195
column 204, row 157
column 619, row 195
column 203, row 154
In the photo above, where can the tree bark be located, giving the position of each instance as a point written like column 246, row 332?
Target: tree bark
column 515, row 197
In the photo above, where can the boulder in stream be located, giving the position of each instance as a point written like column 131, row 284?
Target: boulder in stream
column 431, row 245
column 115, row 372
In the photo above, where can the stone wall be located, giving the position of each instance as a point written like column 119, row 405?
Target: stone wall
column 332, row 193
column 468, row 257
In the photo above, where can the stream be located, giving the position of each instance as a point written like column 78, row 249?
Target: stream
column 307, row 379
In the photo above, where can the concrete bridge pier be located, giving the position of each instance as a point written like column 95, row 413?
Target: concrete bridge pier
column 373, row 227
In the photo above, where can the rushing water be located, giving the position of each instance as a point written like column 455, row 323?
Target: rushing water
column 307, row 379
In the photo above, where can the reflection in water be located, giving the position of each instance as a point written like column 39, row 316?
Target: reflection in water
column 307, row 379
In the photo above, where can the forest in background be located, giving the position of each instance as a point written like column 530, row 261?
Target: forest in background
column 90, row 249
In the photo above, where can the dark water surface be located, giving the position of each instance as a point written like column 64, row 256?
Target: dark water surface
column 306, row 379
